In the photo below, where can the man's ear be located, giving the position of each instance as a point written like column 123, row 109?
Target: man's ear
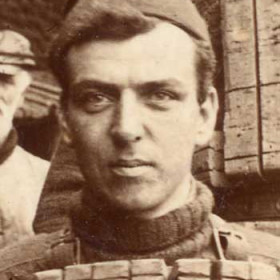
column 66, row 131
column 208, row 117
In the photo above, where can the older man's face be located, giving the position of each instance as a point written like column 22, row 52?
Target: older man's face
column 12, row 88
column 134, row 117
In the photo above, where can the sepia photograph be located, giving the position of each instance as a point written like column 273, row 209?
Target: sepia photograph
column 139, row 139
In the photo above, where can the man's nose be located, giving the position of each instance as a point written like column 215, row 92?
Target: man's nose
column 127, row 124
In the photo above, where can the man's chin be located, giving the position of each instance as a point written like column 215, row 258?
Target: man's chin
column 136, row 208
column 134, row 198
column 135, row 193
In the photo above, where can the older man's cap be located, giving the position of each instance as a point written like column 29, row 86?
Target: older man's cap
column 15, row 52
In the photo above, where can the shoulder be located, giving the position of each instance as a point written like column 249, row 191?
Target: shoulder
column 260, row 246
column 35, row 169
column 25, row 162
column 37, row 163
column 25, row 174
column 263, row 246
column 37, row 253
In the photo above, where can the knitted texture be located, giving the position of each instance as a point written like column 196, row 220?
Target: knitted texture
column 183, row 232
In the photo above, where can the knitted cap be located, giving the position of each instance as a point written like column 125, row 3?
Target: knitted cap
column 15, row 52
column 181, row 13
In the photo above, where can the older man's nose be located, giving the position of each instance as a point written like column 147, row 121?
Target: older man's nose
column 127, row 124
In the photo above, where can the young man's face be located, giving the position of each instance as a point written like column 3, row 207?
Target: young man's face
column 134, row 118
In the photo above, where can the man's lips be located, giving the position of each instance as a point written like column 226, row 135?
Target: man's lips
column 131, row 168
column 131, row 163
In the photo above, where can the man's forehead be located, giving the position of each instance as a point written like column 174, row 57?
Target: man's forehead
column 165, row 46
column 163, row 54
column 158, row 41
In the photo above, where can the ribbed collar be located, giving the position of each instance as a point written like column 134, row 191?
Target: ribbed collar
column 125, row 234
column 8, row 146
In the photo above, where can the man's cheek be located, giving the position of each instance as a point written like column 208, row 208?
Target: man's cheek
column 9, row 103
column 21, row 81
column 6, row 110
column 88, row 140
column 5, row 97
column 5, row 127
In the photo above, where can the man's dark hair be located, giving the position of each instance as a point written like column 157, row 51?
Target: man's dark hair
column 118, row 20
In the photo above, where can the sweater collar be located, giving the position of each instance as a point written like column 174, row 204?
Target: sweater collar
column 122, row 233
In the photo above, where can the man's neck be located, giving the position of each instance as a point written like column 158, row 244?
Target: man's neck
column 180, row 197
column 117, row 232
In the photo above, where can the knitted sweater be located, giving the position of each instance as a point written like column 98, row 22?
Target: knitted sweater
column 183, row 233
column 109, row 235
column 103, row 236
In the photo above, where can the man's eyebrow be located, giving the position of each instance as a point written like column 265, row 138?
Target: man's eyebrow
column 92, row 83
column 111, row 87
column 158, row 83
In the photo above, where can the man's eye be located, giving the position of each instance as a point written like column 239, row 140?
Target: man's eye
column 161, row 96
column 6, row 81
column 161, row 99
column 94, row 98
column 92, row 101
column 97, row 98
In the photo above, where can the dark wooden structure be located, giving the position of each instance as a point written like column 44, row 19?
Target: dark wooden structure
column 251, row 37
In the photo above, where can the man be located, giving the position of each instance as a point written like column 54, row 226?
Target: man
column 137, row 99
column 22, row 174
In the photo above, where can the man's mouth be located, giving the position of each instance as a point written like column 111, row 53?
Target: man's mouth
column 131, row 168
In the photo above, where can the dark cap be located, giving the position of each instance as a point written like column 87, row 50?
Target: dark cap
column 15, row 52
column 182, row 13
